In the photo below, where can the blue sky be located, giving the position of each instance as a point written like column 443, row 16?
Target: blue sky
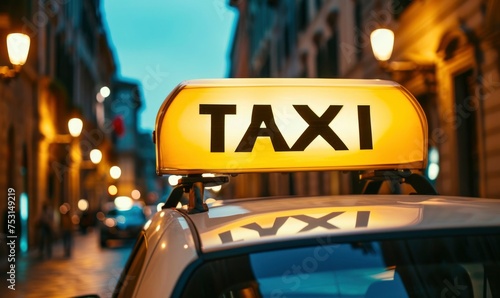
column 160, row 43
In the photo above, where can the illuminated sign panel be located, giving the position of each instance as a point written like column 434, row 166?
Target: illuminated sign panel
column 259, row 125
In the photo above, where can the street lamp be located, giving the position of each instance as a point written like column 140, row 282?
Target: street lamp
column 18, row 46
column 95, row 156
column 75, row 126
column 115, row 172
column 382, row 42
column 105, row 91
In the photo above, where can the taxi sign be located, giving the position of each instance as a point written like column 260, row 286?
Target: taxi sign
column 282, row 125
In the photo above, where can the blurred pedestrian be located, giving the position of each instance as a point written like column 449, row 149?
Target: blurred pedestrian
column 66, row 229
column 46, row 225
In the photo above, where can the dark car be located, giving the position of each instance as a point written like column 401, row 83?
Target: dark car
column 121, row 223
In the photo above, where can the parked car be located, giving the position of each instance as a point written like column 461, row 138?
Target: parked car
column 121, row 223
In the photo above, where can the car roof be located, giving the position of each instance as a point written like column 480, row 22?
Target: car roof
column 229, row 127
column 247, row 222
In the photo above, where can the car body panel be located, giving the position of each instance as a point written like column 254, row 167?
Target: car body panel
column 239, row 223
column 170, row 248
column 257, row 225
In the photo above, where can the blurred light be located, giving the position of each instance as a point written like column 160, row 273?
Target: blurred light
column 24, row 206
column 433, row 171
column 162, row 214
column 110, row 222
column 179, row 205
column 100, row 216
column 123, row 203
column 433, row 167
column 433, row 155
column 99, row 97
column 120, row 219
column 185, row 246
column 75, row 219
column 163, row 245
column 157, row 228
column 216, row 188
column 174, row 179
column 112, row 190
column 159, row 206
column 64, row 208
column 24, row 221
column 18, row 46
column 136, row 195
column 382, row 41
column 104, row 91
column 147, row 224
column 115, row 172
column 83, row 204
column 207, row 175
column 147, row 212
column 75, row 126
column 95, row 156
column 210, row 200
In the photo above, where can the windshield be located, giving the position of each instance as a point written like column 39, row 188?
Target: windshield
column 430, row 267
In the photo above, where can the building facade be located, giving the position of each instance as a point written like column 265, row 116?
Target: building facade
column 451, row 47
column 70, row 59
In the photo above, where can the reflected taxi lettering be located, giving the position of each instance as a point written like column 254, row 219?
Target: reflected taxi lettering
column 310, row 222
column 318, row 126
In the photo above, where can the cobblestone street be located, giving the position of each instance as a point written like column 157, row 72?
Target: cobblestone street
column 90, row 270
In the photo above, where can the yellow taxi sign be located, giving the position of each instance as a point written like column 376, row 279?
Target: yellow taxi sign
column 280, row 125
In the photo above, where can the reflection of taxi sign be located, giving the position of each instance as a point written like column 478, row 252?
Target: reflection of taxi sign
column 279, row 125
column 317, row 220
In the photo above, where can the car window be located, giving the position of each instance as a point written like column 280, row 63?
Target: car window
column 426, row 267
column 130, row 274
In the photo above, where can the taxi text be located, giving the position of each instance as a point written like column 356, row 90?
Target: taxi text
column 263, row 124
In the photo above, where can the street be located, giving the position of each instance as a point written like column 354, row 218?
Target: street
column 89, row 270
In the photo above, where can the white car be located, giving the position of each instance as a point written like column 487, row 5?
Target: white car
column 368, row 245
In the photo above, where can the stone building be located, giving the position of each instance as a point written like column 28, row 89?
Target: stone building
column 69, row 60
column 445, row 53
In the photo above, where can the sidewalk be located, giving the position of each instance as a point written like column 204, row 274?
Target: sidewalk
column 33, row 253
column 89, row 270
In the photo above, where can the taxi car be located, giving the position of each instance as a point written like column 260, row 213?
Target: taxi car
column 366, row 245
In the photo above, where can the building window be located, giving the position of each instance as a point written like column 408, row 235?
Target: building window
column 333, row 54
column 303, row 61
column 332, row 47
column 265, row 71
column 286, row 41
column 399, row 6
column 357, row 29
column 302, row 14
column 467, row 138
